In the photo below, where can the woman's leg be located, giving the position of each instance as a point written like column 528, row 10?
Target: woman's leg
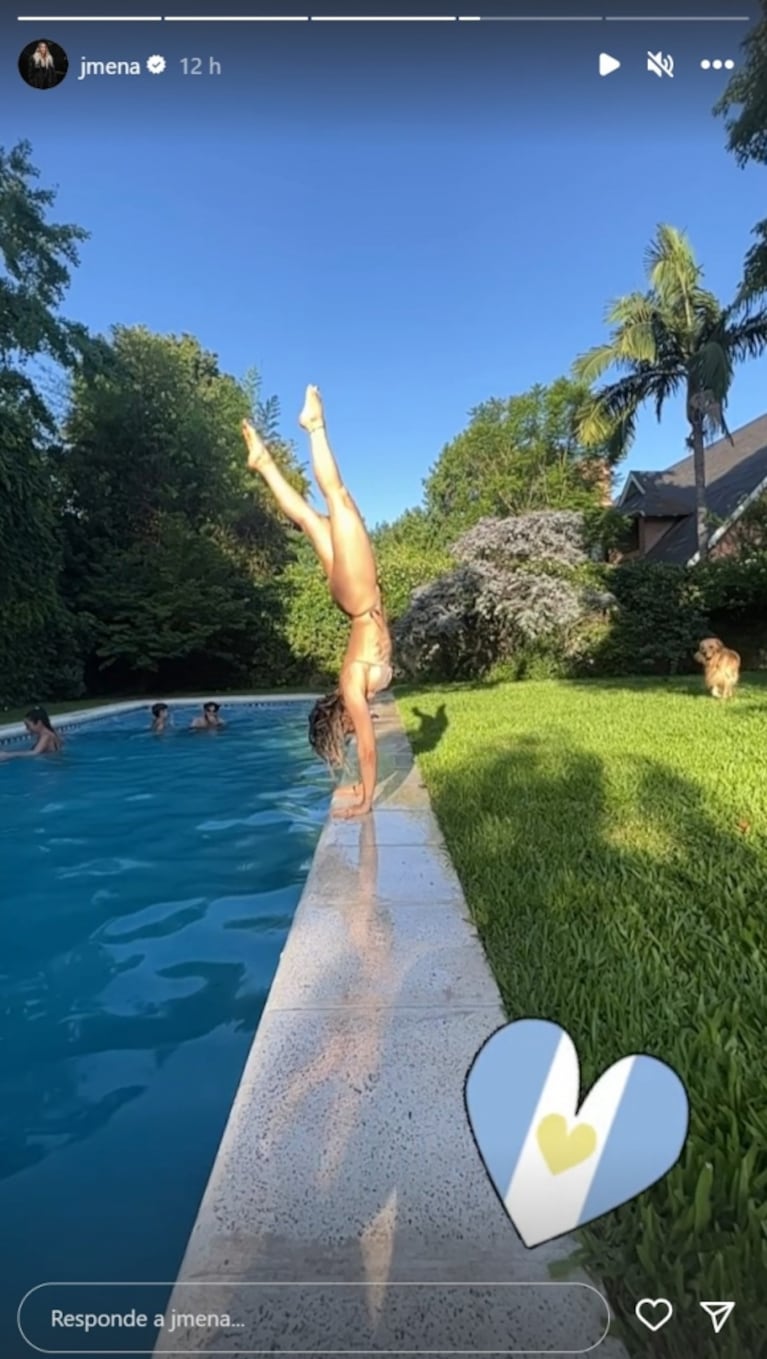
column 354, row 577
column 315, row 526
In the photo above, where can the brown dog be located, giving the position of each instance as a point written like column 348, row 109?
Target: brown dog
column 721, row 667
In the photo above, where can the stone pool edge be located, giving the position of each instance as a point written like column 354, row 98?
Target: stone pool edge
column 257, row 1221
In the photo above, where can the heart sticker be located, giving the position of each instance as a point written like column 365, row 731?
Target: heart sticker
column 555, row 1164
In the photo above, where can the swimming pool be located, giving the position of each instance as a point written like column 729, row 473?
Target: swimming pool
column 149, row 883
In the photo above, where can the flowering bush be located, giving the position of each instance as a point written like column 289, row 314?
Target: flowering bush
column 516, row 592
column 525, row 607
column 547, row 536
column 443, row 635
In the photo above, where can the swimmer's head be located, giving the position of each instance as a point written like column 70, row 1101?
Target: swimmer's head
column 159, row 710
column 37, row 719
column 210, row 709
column 329, row 729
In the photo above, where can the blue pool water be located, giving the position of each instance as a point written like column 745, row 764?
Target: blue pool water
column 148, row 884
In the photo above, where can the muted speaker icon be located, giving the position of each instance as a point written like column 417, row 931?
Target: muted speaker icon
column 660, row 65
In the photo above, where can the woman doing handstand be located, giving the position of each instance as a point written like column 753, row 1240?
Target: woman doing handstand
column 343, row 547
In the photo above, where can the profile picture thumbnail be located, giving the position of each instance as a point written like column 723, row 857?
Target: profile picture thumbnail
column 43, row 64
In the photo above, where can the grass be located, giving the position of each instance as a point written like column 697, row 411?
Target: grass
column 611, row 839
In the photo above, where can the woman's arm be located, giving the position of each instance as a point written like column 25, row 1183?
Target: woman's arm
column 40, row 749
column 359, row 713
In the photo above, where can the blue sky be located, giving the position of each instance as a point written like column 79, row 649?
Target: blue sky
column 415, row 221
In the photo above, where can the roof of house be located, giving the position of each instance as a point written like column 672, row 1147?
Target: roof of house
column 734, row 471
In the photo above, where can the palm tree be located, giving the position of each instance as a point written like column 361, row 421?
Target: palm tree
column 675, row 338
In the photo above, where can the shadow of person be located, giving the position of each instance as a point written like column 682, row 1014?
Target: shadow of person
column 431, row 730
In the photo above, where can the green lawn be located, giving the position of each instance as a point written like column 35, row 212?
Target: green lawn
column 611, row 839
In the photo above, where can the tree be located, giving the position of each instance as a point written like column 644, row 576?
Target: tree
column 157, row 431
column 181, row 611
column 747, row 134
column 38, row 650
column 517, row 455
column 153, row 463
column 675, row 338
column 259, row 526
column 173, row 545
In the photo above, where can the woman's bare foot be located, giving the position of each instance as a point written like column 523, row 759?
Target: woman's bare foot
column 258, row 453
column 352, row 811
column 312, row 416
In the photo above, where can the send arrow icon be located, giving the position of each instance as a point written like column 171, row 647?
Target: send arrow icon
column 718, row 1312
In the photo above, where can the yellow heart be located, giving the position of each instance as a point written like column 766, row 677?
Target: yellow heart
column 563, row 1150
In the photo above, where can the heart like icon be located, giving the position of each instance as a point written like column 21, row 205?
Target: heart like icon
column 654, row 1312
column 556, row 1166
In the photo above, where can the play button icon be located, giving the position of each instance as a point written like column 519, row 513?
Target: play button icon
column 607, row 64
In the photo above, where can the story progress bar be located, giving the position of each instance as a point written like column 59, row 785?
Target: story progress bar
column 373, row 19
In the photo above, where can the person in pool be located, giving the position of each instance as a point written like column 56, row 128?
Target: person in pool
column 209, row 720
column 160, row 716
column 48, row 741
column 343, row 547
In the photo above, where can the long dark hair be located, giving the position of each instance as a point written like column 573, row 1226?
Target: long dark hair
column 158, row 708
column 329, row 730
column 39, row 715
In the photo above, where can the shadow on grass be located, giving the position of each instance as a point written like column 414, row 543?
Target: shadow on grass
column 431, row 730
column 638, row 928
